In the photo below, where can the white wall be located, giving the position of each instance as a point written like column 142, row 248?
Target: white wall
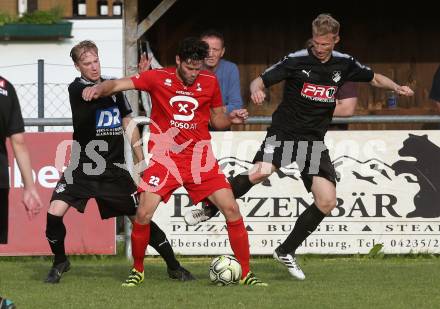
column 107, row 34
column 18, row 63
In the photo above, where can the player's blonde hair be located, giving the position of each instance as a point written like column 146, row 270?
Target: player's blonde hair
column 325, row 24
column 82, row 47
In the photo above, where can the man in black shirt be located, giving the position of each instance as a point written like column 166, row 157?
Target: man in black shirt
column 313, row 77
column 12, row 126
column 97, row 165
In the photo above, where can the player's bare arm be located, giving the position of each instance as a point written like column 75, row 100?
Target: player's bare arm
column 132, row 132
column 345, row 107
column 257, row 91
column 220, row 121
column 107, row 88
column 31, row 198
column 382, row 81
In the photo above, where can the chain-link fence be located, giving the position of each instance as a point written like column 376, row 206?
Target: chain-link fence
column 56, row 103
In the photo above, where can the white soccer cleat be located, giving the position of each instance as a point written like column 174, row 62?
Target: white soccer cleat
column 290, row 262
column 195, row 216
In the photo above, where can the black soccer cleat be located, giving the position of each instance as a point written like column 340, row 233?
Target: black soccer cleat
column 56, row 272
column 180, row 274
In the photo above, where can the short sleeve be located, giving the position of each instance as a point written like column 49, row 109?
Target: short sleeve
column 145, row 80
column 278, row 72
column 16, row 123
column 358, row 72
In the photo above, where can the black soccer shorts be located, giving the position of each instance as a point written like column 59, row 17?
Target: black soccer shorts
column 114, row 191
column 312, row 157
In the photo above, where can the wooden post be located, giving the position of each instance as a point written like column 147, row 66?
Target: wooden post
column 130, row 68
column 154, row 16
column 130, row 49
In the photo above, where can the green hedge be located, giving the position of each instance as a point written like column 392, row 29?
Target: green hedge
column 51, row 16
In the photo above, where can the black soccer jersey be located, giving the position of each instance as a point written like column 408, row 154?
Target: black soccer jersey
column 11, row 122
column 309, row 91
column 97, row 125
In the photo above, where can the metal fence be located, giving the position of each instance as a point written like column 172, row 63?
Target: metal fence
column 264, row 120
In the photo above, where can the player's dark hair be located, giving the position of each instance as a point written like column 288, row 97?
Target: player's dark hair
column 82, row 47
column 192, row 48
column 213, row 33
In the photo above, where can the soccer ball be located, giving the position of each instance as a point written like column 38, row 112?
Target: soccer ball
column 225, row 270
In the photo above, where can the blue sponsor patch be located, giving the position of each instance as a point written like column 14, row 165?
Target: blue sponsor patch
column 108, row 118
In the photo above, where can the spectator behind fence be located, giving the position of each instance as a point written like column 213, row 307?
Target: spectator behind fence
column 434, row 95
column 346, row 101
column 435, row 89
column 12, row 126
column 226, row 71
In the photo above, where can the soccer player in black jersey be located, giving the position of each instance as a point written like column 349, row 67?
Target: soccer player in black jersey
column 312, row 77
column 12, row 127
column 96, row 168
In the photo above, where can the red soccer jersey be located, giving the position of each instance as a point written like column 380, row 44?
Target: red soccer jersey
column 182, row 111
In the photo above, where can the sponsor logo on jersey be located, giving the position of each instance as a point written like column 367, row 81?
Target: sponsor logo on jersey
column 307, row 72
column 167, row 82
column 184, row 92
column 108, row 118
column 184, row 108
column 319, row 93
column 336, row 76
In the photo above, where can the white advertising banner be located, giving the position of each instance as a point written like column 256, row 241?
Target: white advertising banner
column 388, row 192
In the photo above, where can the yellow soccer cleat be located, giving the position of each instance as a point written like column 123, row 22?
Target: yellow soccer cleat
column 135, row 278
column 250, row 279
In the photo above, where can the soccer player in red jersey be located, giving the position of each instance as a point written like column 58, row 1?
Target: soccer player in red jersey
column 185, row 99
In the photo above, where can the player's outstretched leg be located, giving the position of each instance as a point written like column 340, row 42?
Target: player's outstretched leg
column 159, row 241
column 290, row 262
column 240, row 185
column 55, row 234
column 238, row 237
column 306, row 223
column 180, row 274
column 140, row 236
column 199, row 215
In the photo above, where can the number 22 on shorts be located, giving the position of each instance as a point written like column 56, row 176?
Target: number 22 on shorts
column 154, row 181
